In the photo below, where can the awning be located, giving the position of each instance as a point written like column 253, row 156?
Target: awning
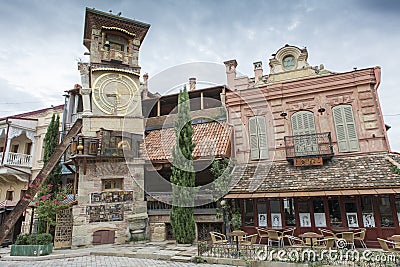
column 347, row 192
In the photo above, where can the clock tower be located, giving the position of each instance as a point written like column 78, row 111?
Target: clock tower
column 111, row 206
column 110, row 81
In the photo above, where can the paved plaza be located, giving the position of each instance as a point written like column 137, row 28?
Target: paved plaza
column 97, row 261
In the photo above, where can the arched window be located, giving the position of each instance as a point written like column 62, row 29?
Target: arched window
column 345, row 126
column 258, row 138
column 303, row 130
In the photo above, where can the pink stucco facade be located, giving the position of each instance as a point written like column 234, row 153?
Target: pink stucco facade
column 303, row 88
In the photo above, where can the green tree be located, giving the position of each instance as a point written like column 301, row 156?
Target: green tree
column 51, row 141
column 183, row 175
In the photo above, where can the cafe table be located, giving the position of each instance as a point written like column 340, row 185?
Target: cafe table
column 311, row 236
column 237, row 234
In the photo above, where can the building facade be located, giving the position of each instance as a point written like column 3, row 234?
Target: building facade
column 21, row 155
column 312, row 148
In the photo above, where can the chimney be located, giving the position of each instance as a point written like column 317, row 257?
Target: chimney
column 145, row 90
column 258, row 71
column 230, row 66
column 192, row 84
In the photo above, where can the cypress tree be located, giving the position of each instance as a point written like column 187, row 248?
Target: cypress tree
column 183, row 175
column 50, row 144
column 51, row 141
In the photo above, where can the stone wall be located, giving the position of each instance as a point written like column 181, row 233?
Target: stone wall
column 135, row 222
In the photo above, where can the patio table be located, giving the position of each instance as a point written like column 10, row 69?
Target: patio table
column 312, row 236
column 237, row 234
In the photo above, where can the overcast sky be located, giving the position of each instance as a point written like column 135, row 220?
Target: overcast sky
column 42, row 41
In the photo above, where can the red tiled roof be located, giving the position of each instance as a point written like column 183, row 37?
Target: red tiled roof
column 211, row 138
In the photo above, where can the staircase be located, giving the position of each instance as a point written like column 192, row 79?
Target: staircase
column 36, row 184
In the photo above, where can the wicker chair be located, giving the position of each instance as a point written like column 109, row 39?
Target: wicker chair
column 248, row 240
column 262, row 233
column 349, row 238
column 388, row 245
column 275, row 237
column 295, row 242
column 360, row 236
column 218, row 238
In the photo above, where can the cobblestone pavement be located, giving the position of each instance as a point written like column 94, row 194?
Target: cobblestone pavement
column 103, row 261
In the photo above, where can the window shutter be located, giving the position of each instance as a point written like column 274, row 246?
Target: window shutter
column 346, row 132
column 303, row 124
column 351, row 128
column 262, row 137
column 254, row 150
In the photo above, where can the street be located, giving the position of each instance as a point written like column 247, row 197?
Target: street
column 97, row 261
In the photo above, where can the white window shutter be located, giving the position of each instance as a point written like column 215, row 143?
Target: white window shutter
column 351, row 128
column 254, row 148
column 262, row 137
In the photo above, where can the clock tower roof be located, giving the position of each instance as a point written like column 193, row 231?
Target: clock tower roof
column 96, row 19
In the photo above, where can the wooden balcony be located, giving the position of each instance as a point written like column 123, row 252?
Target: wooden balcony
column 318, row 145
column 107, row 143
column 16, row 159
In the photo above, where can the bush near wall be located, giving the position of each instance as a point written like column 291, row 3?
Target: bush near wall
column 32, row 245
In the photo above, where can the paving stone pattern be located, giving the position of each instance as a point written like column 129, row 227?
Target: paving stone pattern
column 103, row 261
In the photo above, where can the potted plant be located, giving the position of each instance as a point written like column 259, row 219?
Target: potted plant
column 32, row 245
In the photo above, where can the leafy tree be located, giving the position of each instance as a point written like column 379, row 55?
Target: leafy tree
column 183, row 175
column 49, row 205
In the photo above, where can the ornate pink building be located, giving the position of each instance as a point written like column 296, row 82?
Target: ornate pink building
column 312, row 148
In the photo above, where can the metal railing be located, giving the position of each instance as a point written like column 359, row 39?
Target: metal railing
column 309, row 145
column 17, row 159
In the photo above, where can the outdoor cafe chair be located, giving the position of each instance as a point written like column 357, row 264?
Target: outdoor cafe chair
column 262, row 233
column 349, row 238
column 325, row 243
column 360, row 236
column 275, row 237
column 327, row 233
column 248, row 240
column 289, row 231
column 387, row 245
column 295, row 242
column 308, row 240
column 218, row 238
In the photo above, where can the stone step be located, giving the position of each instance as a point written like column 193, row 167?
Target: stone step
column 181, row 259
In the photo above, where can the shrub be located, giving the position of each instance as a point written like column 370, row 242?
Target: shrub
column 34, row 239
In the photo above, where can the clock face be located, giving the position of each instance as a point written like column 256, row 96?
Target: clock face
column 115, row 93
column 288, row 62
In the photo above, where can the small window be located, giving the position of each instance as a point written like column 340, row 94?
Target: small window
column 28, row 148
column 367, row 209
column 14, row 148
column 275, row 207
column 10, row 195
column 288, row 207
column 262, row 213
column 112, row 184
column 385, row 211
column 248, row 212
column 335, row 215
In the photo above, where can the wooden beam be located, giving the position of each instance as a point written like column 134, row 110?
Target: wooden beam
column 36, row 184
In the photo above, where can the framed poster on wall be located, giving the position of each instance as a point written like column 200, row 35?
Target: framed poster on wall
column 305, row 220
column 262, row 219
column 276, row 219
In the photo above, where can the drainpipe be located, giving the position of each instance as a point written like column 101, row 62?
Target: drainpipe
column 5, row 142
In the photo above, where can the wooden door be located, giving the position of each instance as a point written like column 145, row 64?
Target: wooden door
column 103, row 237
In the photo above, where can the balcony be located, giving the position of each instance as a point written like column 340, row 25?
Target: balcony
column 318, row 145
column 107, row 144
column 16, row 159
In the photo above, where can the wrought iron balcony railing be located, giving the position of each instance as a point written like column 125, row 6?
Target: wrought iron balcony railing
column 17, row 159
column 309, row 145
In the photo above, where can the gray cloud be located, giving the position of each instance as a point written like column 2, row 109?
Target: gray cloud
column 46, row 39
